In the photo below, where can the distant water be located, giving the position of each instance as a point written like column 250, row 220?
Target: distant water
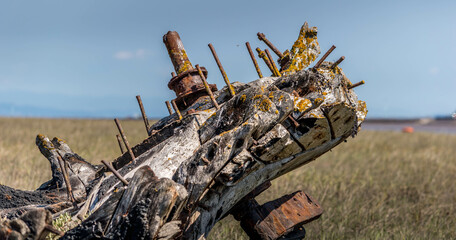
column 436, row 126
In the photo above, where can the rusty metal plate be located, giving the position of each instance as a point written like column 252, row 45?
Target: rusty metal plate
column 282, row 216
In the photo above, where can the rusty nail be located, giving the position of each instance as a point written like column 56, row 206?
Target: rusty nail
column 263, row 38
column 255, row 63
column 337, row 62
column 120, row 143
column 356, row 84
column 176, row 109
column 265, row 58
column 295, row 123
column 53, row 230
column 324, row 57
column 65, row 177
column 205, row 160
column 225, row 77
column 173, row 74
column 124, row 138
column 276, row 70
column 109, row 166
column 144, row 116
column 208, row 89
column 168, row 105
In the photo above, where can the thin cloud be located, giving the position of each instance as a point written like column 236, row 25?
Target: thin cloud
column 127, row 55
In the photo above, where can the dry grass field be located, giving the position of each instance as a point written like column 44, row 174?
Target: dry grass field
column 379, row 185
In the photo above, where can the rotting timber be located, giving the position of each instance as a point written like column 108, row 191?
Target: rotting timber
column 208, row 159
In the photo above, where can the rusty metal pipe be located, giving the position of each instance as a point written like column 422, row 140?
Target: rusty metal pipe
column 276, row 70
column 225, row 77
column 255, row 63
column 208, row 89
column 263, row 38
column 187, row 84
column 124, row 138
column 143, row 113
column 324, row 56
column 177, row 52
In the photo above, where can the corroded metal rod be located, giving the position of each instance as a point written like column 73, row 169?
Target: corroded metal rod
column 225, row 77
column 114, row 171
column 168, row 105
column 124, row 138
column 208, row 89
column 356, row 84
column 276, row 70
column 337, row 62
column 120, row 143
column 65, row 178
column 176, row 109
column 255, row 63
column 263, row 38
column 263, row 56
column 324, row 56
column 143, row 113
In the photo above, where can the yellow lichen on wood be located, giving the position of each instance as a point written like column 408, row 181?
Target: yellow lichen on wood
column 242, row 98
column 304, row 51
column 302, row 105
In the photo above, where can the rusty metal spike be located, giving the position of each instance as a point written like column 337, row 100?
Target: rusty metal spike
column 176, row 109
column 263, row 38
column 168, row 105
column 356, row 84
column 208, row 89
column 324, row 56
column 337, row 62
column 255, row 63
column 143, row 113
column 276, row 70
column 124, row 138
column 120, row 143
column 263, row 56
column 114, row 171
column 219, row 64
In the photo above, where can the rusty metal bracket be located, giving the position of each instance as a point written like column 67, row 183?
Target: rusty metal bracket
column 279, row 218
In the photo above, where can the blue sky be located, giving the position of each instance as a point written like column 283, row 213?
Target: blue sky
column 91, row 58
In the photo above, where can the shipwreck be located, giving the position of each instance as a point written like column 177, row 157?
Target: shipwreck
column 214, row 153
